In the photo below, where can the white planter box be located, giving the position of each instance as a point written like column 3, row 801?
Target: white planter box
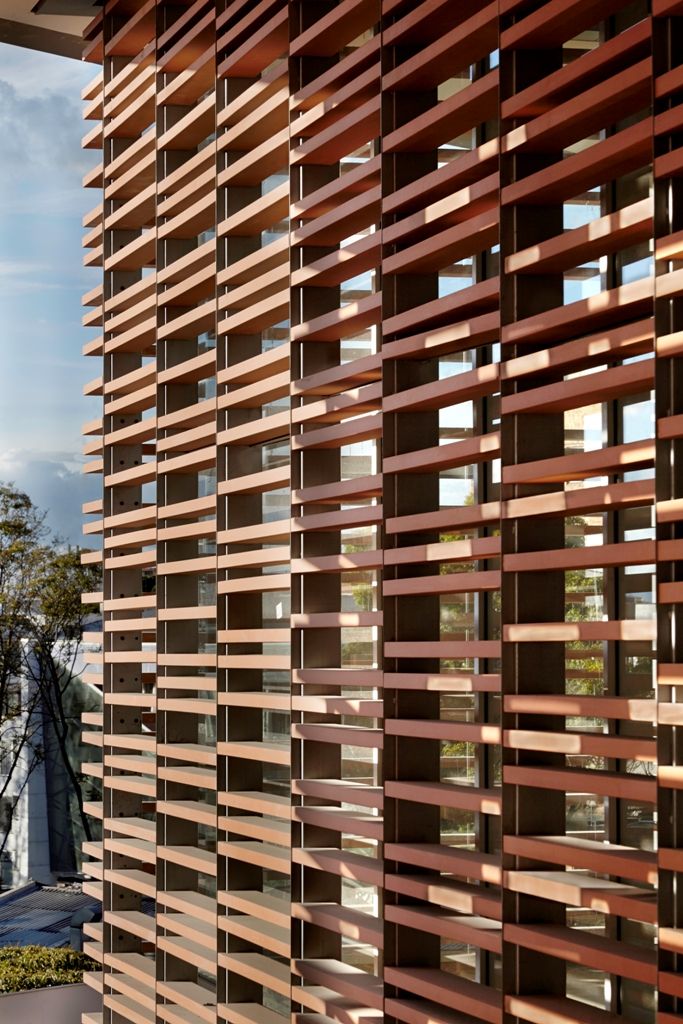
column 62, row 1004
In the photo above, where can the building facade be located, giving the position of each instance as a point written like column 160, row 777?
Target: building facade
column 388, row 356
column 25, row 835
column 41, row 828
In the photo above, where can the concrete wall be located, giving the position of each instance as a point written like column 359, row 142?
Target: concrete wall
column 60, row 1005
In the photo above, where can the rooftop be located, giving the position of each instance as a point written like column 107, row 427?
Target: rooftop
column 40, row 915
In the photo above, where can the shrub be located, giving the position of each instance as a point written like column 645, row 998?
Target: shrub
column 27, row 967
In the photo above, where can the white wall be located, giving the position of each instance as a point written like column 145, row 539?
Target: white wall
column 63, row 1004
column 28, row 844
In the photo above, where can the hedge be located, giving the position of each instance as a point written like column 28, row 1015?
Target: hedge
column 27, row 967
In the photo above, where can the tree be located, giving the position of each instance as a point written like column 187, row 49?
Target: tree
column 41, row 626
column 54, row 635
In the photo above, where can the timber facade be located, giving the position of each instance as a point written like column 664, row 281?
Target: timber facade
column 390, row 331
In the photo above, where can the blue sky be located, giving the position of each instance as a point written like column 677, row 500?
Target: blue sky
column 42, row 281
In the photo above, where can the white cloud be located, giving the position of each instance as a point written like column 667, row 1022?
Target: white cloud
column 57, row 74
column 25, row 276
column 40, row 118
column 40, row 133
column 10, row 268
column 54, row 482
column 41, row 164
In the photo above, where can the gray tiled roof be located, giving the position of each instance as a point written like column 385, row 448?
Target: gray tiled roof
column 40, row 915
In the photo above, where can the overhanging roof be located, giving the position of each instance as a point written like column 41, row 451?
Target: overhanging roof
column 54, row 26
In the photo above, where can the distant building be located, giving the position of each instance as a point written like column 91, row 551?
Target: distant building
column 37, row 803
column 23, row 812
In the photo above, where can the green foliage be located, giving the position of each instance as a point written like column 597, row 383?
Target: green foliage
column 60, row 583
column 455, row 748
column 21, row 538
column 363, row 596
column 28, row 967
column 40, row 581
